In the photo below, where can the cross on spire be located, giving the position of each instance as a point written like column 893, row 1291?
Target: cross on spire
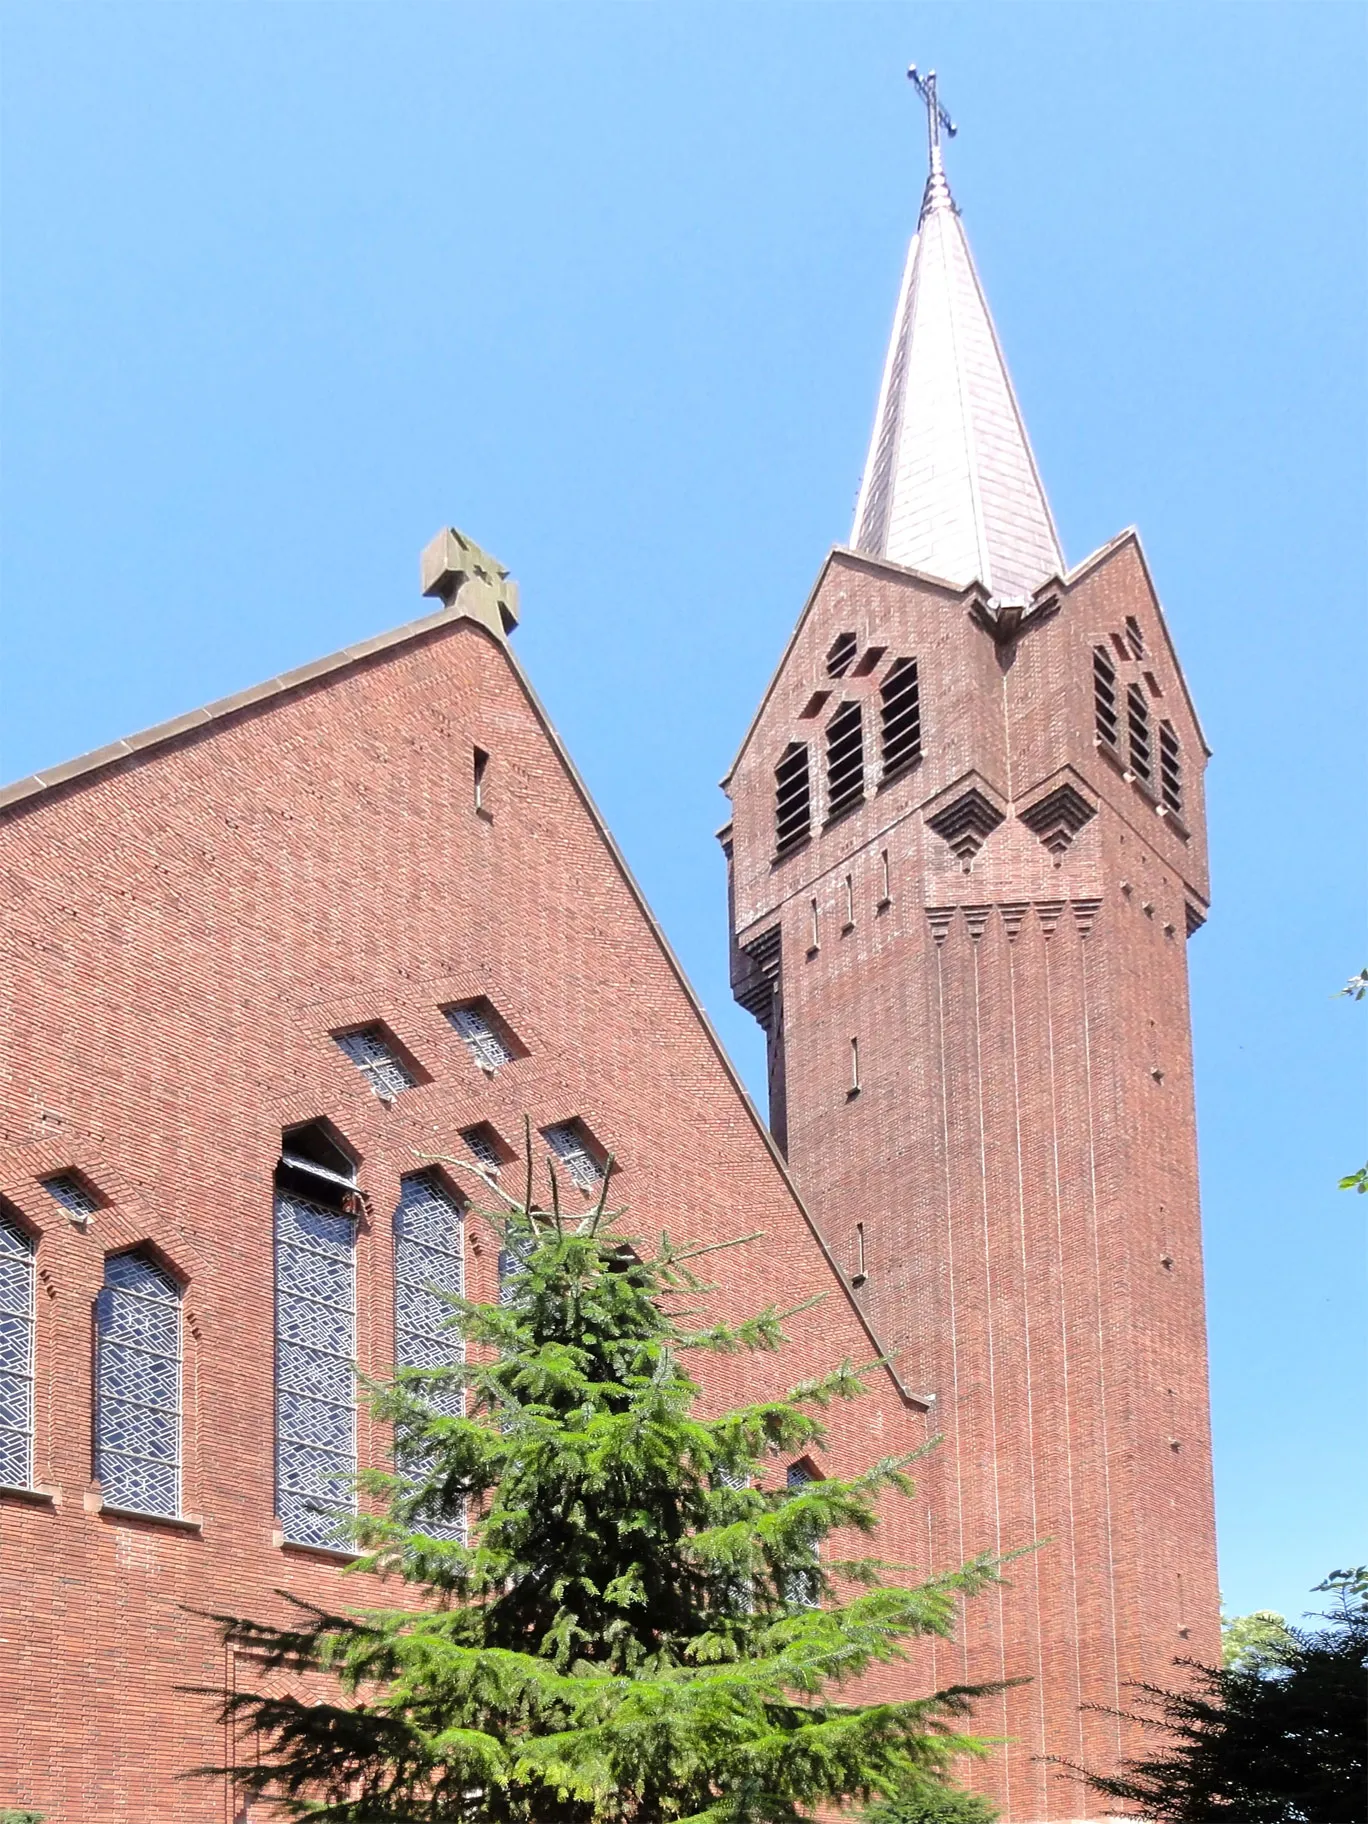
column 936, row 116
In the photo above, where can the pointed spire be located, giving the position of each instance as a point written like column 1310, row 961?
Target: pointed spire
column 950, row 485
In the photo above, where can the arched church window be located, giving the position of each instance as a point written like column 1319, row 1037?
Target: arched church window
column 1170, row 768
column 1138, row 730
column 792, row 798
column 429, row 1268
column 845, row 758
column 900, row 714
column 138, row 1387
column 16, row 1354
column 842, row 655
column 315, row 1274
column 1105, row 711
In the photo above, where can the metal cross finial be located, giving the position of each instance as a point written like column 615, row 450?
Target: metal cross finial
column 936, row 116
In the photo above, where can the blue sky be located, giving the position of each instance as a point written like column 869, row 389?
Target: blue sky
column 288, row 286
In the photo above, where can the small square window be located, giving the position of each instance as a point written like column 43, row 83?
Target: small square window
column 483, row 1033
column 484, row 1146
column 374, row 1056
column 72, row 1192
column 572, row 1147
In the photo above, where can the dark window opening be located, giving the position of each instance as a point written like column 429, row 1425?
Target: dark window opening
column 815, row 704
column 1135, row 640
column 792, row 798
column 845, row 758
column 842, row 655
column 900, row 713
column 1170, row 768
column 479, row 770
column 313, row 1165
column 1104, row 698
column 1138, row 727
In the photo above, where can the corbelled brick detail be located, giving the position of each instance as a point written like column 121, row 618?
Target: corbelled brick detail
column 1022, row 1153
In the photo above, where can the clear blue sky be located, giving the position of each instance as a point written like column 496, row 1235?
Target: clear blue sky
column 288, row 286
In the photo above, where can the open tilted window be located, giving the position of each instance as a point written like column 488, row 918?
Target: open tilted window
column 138, row 1387
column 315, row 1262
column 792, row 798
column 16, row 1354
column 900, row 715
column 845, row 758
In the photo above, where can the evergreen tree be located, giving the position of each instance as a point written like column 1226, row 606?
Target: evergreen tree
column 1276, row 1742
column 642, row 1622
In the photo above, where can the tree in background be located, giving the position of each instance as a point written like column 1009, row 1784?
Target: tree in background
column 941, row 1805
column 1355, row 989
column 643, row 1621
column 1253, row 1643
column 1280, row 1742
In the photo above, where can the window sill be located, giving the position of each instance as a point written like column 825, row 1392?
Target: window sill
column 183, row 1523
column 333, row 1554
column 847, row 927
column 40, row 1495
column 851, row 1094
column 900, row 771
column 790, row 850
column 882, row 905
column 846, row 810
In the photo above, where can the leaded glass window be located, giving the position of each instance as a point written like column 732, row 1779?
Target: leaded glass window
column 374, row 1057
column 16, row 1355
column 483, row 1147
column 75, row 1198
column 138, row 1387
column 568, row 1144
column 315, row 1254
column 429, row 1268
column 485, row 1044
column 804, row 1588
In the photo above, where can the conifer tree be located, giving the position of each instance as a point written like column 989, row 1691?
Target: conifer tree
column 630, row 1613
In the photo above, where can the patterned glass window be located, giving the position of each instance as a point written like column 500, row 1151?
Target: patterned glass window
column 138, row 1387
column 804, row 1587
column 510, row 1266
column 485, row 1044
column 429, row 1261
column 75, row 1198
column 315, row 1347
column 373, row 1056
column 845, row 758
column 483, row 1146
column 792, row 798
column 16, row 1355
column 900, row 715
column 568, row 1144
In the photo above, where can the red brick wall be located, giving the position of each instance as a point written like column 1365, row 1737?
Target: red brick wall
column 1022, row 1150
column 185, row 930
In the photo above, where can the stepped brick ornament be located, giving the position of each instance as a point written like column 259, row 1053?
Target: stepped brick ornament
column 950, row 485
column 989, row 932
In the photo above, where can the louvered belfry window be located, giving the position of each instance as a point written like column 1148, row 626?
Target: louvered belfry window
column 16, row 1355
column 900, row 712
column 842, row 655
column 845, row 758
column 315, row 1250
column 568, row 1144
column 792, row 798
column 374, row 1057
column 1170, row 768
column 1104, row 699
column 138, row 1387
column 429, row 1261
column 1138, row 728
column 484, row 1043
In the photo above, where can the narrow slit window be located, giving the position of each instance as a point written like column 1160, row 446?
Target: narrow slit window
column 900, row 716
column 1104, row 699
column 479, row 774
column 138, row 1387
column 483, row 1040
column 568, row 1143
column 854, row 1067
column 1170, row 768
column 842, row 655
column 845, row 759
column 374, row 1056
column 1138, row 728
column 849, row 889
column 816, row 916
column 886, row 877
column 429, row 1271
column 792, row 798
column 859, row 1276
column 16, row 1355
column 315, row 1270
column 804, row 1587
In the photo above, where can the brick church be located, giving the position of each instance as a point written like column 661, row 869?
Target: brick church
column 265, row 961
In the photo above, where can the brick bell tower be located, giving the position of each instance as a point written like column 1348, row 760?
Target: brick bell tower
column 966, row 855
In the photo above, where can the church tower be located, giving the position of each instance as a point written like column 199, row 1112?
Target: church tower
column 966, row 854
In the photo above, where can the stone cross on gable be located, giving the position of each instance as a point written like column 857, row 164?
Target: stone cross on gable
column 468, row 581
column 936, row 116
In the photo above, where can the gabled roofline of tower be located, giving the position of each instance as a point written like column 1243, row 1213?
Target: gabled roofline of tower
column 1131, row 535
column 34, row 791
column 870, row 562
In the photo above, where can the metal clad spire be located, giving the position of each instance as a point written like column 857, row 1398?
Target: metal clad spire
column 950, row 485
